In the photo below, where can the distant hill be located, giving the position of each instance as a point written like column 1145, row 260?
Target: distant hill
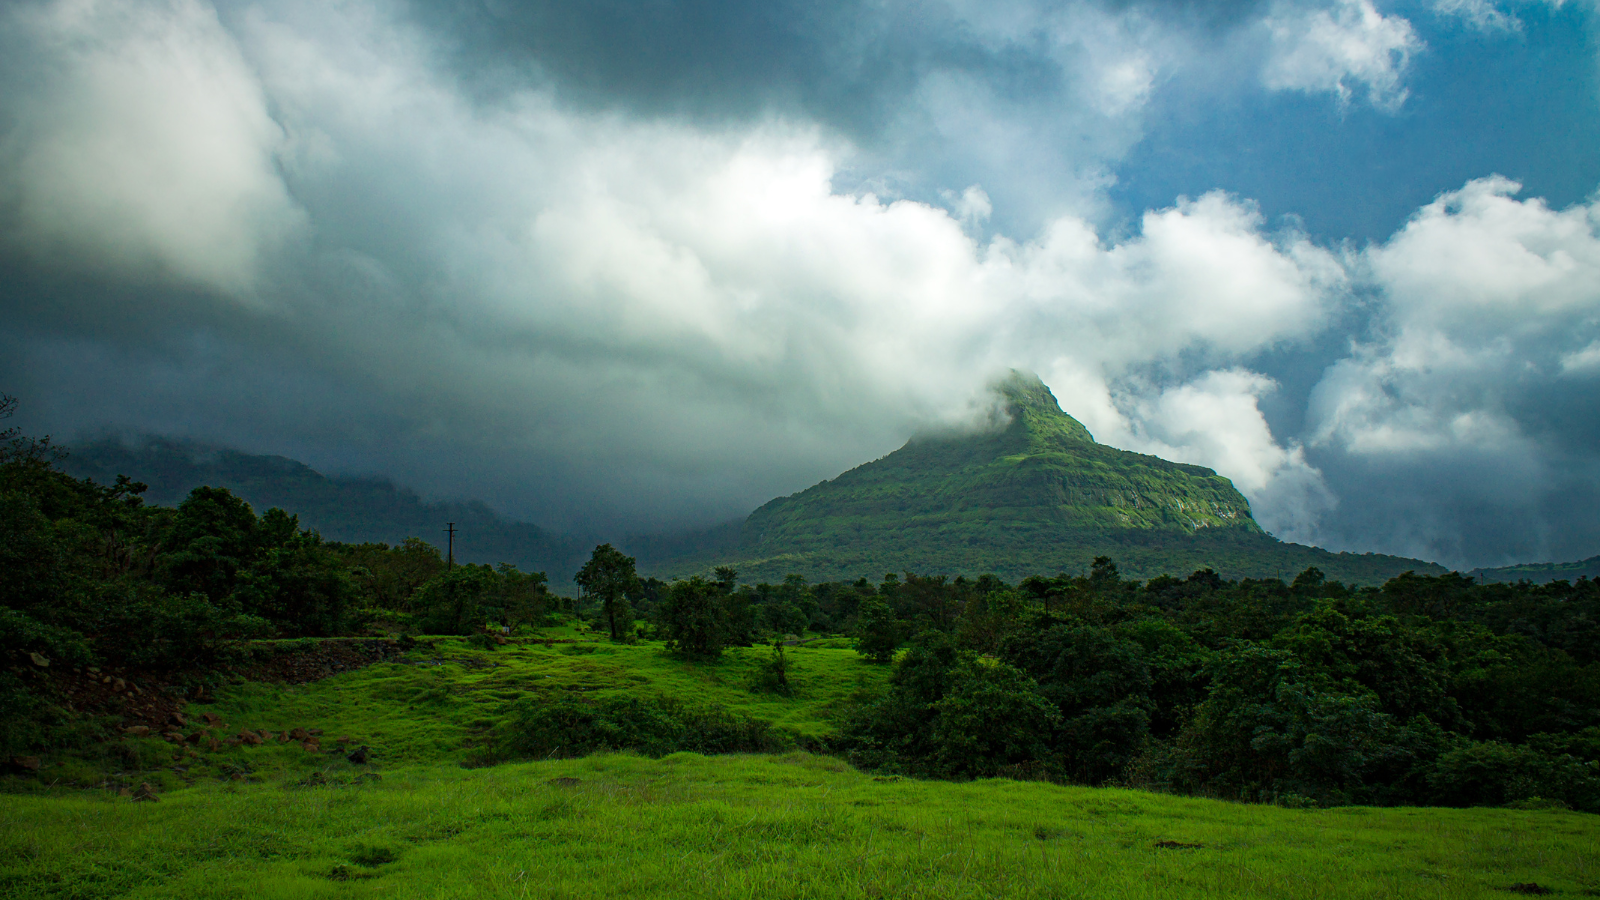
column 1035, row 496
column 342, row 509
column 1539, row 573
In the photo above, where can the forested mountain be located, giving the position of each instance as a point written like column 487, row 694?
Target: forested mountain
column 1036, row 495
column 353, row 510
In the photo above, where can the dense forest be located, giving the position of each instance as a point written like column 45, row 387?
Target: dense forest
column 1426, row 690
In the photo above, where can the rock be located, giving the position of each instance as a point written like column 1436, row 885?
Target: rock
column 314, row 731
column 249, row 737
column 300, row 734
column 196, row 738
column 39, row 660
column 311, row 747
column 359, row 756
column 344, row 739
column 178, row 720
column 136, row 730
column 211, row 719
column 26, row 763
column 106, row 680
column 145, row 792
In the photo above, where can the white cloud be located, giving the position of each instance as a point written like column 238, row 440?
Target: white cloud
column 1585, row 360
column 1487, row 303
column 1339, row 50
column 1479, row 262
column 1484, row 294
column 1215, row 420
column 657, row 304
column 142, row 145
column 1480, row 14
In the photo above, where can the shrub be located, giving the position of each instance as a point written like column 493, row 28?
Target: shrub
column 562, row 725
column 772, row 677
column 1489, row 773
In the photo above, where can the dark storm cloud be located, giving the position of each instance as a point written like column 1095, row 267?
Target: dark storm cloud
column 850, row 64
column 1465, row 508
column 932, row 96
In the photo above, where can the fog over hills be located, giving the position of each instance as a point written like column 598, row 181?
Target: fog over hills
column 346, row 509
column 1030, row 492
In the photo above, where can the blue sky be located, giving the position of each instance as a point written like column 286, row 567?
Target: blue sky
column 644, row 265
column 1519, row 103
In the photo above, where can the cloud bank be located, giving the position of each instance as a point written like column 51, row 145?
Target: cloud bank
column 651, row 293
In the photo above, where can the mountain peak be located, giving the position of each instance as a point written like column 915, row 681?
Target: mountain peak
column 1034, row 409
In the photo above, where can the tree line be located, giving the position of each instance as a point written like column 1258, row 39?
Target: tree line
column 1427, row 690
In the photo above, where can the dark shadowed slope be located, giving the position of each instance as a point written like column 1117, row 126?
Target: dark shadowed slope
column 342, row 509
column 1539, row 573
column 1032, row 495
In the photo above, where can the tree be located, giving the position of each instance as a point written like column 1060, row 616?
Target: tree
column 877, row 633
column 693, row 617
column 610, row 575
column 452, row 602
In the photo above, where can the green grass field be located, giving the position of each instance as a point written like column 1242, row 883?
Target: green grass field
column 440, row 704
column 750, row 826
column 278, row 821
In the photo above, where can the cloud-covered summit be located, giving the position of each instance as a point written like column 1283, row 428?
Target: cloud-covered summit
column 647, row 265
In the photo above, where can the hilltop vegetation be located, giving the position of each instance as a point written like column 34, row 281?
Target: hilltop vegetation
column 1033, row 494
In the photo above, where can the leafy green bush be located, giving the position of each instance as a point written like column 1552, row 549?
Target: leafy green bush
column 877, row 633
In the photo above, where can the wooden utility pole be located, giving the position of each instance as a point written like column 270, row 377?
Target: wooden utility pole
column 450, row 552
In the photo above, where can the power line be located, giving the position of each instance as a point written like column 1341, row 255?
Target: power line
column 450, row 552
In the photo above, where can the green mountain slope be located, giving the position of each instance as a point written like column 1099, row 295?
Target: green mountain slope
column 342, row 509
column 1037, row 495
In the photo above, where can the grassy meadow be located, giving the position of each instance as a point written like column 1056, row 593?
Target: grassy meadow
column 424, row 819
column 749, row 826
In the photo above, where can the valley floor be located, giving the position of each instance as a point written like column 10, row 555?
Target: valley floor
column 794, row 825
column 423, row 818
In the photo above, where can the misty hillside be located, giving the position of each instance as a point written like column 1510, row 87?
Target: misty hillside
column 1541, row 573
column 353, row 510
column 1038, row 496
